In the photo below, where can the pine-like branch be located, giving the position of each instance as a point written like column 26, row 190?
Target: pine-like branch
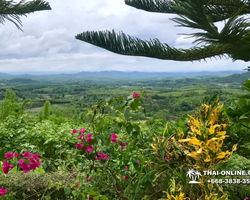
column 218, row 9
column 160, row 6
column 126, row 45
column 12, row 11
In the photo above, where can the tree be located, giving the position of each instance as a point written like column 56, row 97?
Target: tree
column 9, row 105
column 46, row 110
column 233, row 40
column 12, row 11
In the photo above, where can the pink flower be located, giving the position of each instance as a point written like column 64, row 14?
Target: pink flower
column 156, row 164
column 89, row 137
column 98, row 159
column 6, row 167
column 77, row 184
column 246, row 198
column 135, row 95
column 123, row 144
column 82, row 130
column 125, row 177
column 3, row 191
column 89, row 179
column 72, row 188
column 9, row 155
column 35, row 156
column 89, row 148
column 139, row 162
column 113, row 138
column 99, row 154
column 81, row 136
column 79, row 145
column 105, row 157
column 167, row 157
column 90, row 198
column 26, row 154
column 17, row 155
column 26, row 167
column 102, row 156
column 74, row 175
column 146, row 96
column 126, row 168
column 74, row 131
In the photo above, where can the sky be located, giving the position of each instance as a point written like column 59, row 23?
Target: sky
column 47, row 43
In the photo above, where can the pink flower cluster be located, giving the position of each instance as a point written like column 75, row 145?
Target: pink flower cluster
column 113, row 139
column 135, row 95
column 31, row 161
column 3, row 191
column 6, row 167
column 102, row 156
column 81, row 137
column 82, row 130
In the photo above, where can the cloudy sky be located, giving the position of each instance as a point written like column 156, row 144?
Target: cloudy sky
column 48, row 45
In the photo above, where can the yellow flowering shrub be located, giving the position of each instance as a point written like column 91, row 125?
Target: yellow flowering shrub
column 199, row 148
column 206, row 136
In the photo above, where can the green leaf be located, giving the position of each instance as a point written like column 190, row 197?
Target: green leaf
column 129, row 128
column 67, row 191
column 135, row 134
column 137, row 128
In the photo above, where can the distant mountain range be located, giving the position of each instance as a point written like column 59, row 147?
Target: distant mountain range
column 127, row 74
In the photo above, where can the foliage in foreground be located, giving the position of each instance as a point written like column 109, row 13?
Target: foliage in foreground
column 112, row 157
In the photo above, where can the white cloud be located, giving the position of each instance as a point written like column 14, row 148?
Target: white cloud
column 48, row 44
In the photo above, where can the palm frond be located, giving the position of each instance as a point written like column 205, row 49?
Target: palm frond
column 12, row 11
column 127, row 45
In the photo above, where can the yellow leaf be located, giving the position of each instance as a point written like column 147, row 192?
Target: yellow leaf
column 234, row 147
column 195, row 141
column 212, row 129
column 165, row 129
column 184, row 140
column 222, row 155
column 181, row 196
column 221, row 133
column 195, row 121
column 154, row 147
column 199, row 151
column 194, row 154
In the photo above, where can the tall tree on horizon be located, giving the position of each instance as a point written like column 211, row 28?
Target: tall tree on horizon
column 232, row 41
column 12, row 11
